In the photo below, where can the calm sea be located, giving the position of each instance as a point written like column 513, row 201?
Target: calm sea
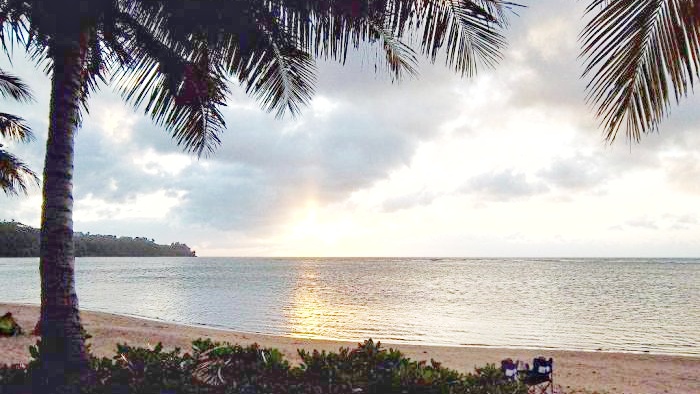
column 636, row 305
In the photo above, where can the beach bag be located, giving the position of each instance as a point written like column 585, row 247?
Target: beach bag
column 9, row 326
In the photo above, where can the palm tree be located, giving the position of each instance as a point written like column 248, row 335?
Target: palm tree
column 640, row 55
column 14, row 174
column 173, row 58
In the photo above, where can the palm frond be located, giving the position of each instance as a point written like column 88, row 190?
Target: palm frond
column 467, row 31
column 15, row 176
column 97, row 64
column 282, row 77
column 13, row 127
column 637, row 52
column 270, row 43
column 266, row 57
column 180, row 92
column 478, row 39
column 400, row 58
column 12, row 86
column 209, row 368
column 14, row 29
column 172, row 58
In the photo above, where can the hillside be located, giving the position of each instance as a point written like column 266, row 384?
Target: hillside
column 19, row 240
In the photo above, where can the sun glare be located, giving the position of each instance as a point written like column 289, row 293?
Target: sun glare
column 314, row 229
column 308, row 313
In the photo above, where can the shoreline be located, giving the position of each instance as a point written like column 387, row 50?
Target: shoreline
column 393, row 342
column 575, row 371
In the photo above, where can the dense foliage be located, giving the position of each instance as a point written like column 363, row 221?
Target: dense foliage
column 15, row 176
column 19, row 240
column 223, row 368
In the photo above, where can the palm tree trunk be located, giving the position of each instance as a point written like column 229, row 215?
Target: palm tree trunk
column 64, row 359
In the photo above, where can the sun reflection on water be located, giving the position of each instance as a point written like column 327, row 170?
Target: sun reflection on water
column 309, row 314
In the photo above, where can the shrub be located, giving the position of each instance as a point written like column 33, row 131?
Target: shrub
column 218, row 368
column 14, row 379
column 9, row 326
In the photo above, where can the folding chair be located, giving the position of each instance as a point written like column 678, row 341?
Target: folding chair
column 509, row 369
column 540, row 379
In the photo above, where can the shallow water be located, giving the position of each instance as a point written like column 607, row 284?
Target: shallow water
column 638, row 305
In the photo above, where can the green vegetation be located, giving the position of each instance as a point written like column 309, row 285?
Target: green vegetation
column 9, row 326
column 14, row 174
column 223, row 368
column 173, row 60
column 19, row 240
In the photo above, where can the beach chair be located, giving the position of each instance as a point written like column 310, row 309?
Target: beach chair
column 510, row 370
column 540, row 379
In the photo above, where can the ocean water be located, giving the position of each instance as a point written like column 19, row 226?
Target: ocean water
column 629, row 305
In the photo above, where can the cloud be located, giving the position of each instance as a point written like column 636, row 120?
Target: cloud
column 349, row 139
column 543, row 58
column 22, row 209
column 643, row 223
column 555, row 39
column 142, row 206
column 663, row 222
column 576, row 173
column 382, row 153
column 421, row 198
column 166, row 164
column 682, row 221
column 682, row 171
column 115, row 122
column 503, row 186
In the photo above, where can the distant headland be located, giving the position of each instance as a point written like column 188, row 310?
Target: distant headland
column 20, row 240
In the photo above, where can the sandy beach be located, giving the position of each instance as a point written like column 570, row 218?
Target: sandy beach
column 575, row 372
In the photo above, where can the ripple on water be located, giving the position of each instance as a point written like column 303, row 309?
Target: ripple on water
column 641, row 305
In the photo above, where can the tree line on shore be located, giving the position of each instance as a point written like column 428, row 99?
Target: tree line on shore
column 19, row 240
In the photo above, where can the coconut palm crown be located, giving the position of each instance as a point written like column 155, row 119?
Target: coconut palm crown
column 15, row 175
column 173, row 59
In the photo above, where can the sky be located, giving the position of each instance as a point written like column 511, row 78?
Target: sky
column 509, row 163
